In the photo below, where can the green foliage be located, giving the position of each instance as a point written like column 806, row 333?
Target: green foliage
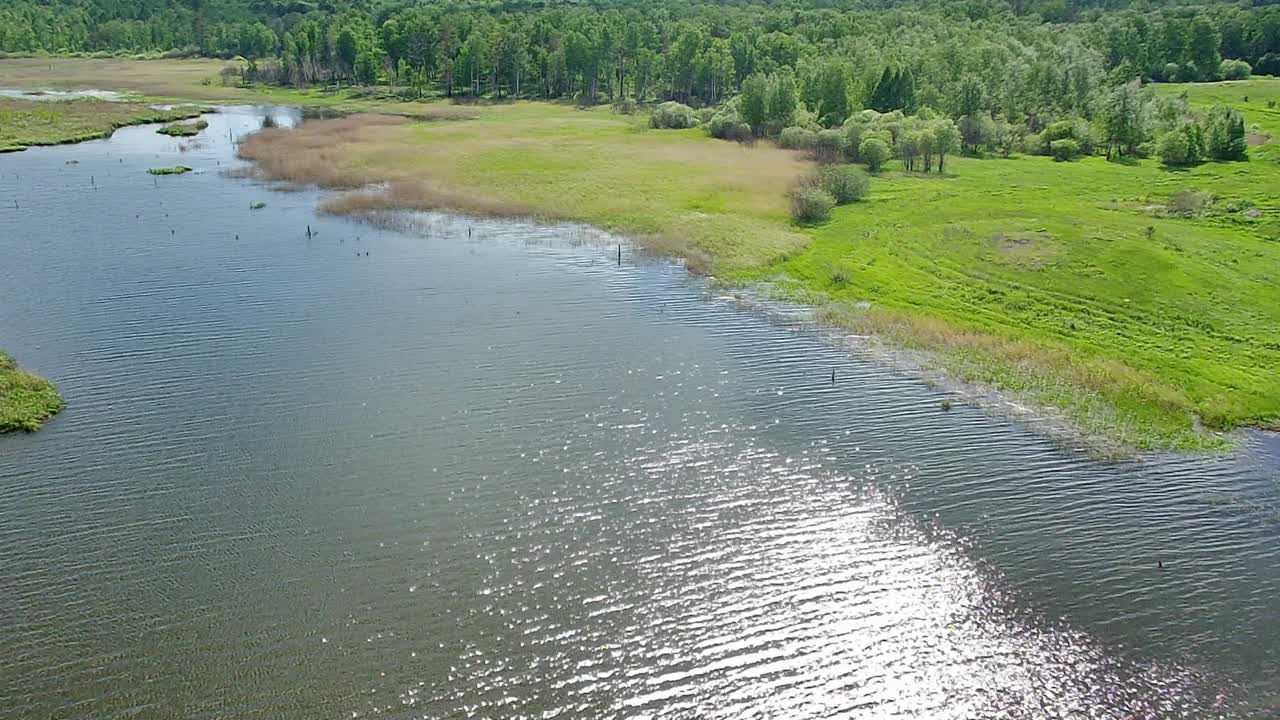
column 875, row 152
column 672, row 115
column 1235, row 70
column 727, row 124
column 31, row 122
column 175, row 170
column 26, row 400
column 178, row 130
column 1224, row 134
column 844, row 183
column 1064, row 149
column 797, row 138
column 976, row 131
column 829, row 146
column 811, row 205
column 1183, row 145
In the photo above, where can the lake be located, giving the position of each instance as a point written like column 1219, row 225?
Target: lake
column 475, row 468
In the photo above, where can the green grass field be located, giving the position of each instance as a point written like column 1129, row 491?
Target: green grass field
column 26, row 400
column 1142, row 302
column 24, row 123
column 1074, row 283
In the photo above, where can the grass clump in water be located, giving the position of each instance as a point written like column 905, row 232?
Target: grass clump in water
column 26, row 400
column 179, row 130
column 175, row 170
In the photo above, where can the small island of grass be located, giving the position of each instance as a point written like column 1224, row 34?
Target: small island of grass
column 175, row 170
column 26, row 400
column 179, row 130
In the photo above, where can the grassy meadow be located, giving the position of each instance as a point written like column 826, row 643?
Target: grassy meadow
column 26, row 400
column 24, row 123
column 1142, row 302
column 721, row 205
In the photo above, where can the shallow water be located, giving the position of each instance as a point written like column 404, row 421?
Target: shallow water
column 485, row 471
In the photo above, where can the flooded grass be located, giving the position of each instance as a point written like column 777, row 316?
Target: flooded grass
column 26, row 400
column 25, row 123
column 175, row 170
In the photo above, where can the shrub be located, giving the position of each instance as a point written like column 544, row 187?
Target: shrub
column 1190, row 202
column 1183, row 145
column 797, row 138
column 672, row 116
column 828, row 146
column 844, row 183
column 1170, row 72
column 875, row 153
column 1225, row 135
column 854, row 133
column 1035, row 144
column 811, row 205
column 1065, row 149
column 1235, row 70
column 727, row 124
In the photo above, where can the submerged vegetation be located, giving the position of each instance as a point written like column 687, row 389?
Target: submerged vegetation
column 26, row 400
column 24, row 123
column 175, row 170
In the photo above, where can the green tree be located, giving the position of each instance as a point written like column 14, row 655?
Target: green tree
column 875, row 152
column 1125, row 118
column 946, row 140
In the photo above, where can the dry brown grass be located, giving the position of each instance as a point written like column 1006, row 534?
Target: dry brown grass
column 315, row 154
column 410, row 194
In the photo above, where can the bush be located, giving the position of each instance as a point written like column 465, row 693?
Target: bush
column 1190, row 202
column 672, row 116
column 875, row 152
column 1170, row 72
column 844, row 183
column 1035, row 144
column 855, row 132
column 811, row 205
column 1065, row 149
column 727, row 124
column 1235, row 70
column 797, row 138
column 1225, row 134
column 828, row 146
column 1183, row 145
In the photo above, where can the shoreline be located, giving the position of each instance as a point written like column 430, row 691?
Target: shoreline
column 28, row 123
column 1106, row 431
column 519, row 160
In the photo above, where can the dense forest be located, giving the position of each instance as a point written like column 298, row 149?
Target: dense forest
column 1056, row 71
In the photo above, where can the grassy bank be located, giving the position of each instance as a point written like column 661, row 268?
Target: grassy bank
column 1142, row 302
column 26, row 400
column 721, row 205
column 24, row 123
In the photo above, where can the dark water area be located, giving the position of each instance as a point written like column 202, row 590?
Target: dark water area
column 484, row 470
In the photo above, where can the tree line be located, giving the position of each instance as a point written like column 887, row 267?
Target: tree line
column 1014, row 58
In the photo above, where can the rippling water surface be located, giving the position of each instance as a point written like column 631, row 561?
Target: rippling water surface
column 485, row 471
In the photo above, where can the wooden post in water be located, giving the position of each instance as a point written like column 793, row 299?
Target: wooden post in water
column 833, row 376
column 308, row 231
column 619, row 254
